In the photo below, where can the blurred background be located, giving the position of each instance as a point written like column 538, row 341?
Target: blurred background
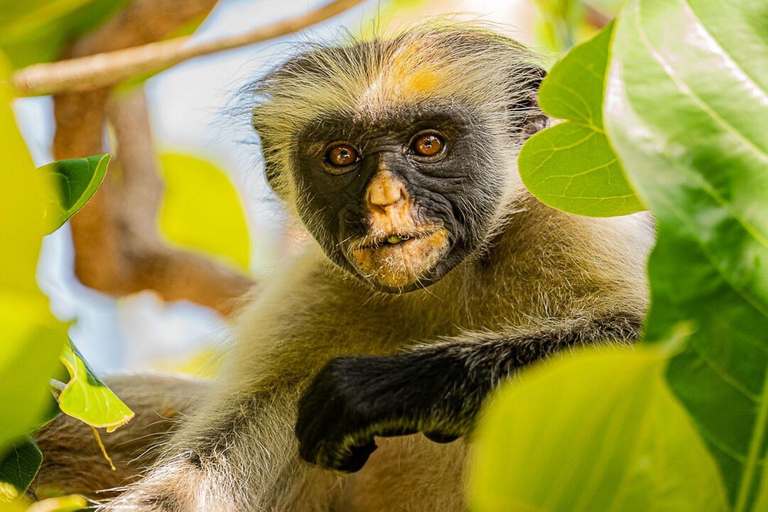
column 215, row 202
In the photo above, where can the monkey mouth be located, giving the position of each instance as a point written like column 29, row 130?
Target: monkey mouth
column 396, row 261
column 387, row 239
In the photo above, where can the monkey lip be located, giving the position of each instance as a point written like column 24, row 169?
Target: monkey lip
column 398, row 260
column 388, row 240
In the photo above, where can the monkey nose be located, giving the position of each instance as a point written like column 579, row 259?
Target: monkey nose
column 385, row 191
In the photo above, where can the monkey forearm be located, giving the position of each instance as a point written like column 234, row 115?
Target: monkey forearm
column 437, row 389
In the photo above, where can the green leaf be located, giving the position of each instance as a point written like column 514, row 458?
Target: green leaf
column 592, row 432
column 202, row 211
column 687, row 111
column 87, row 398
column 38, row 31
column 76, row 181
column 19, row 464
column 31, row 337
column 571, row 166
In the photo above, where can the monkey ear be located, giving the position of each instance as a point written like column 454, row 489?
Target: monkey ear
column 268, row 154
column 526, row 116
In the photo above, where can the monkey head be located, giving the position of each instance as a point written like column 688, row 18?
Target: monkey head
column 399, row 155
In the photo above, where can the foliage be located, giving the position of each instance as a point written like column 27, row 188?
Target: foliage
column 87, row 398
column 571, row 166
column 32, row 338
column 685, row 111
column 701, row 164
column 212, row 222
column 593, row 432
column 74, row 181
column 33, row 32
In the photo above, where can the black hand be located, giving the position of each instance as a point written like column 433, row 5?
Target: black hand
column 353, row 399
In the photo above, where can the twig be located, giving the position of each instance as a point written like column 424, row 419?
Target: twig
column 94, row 71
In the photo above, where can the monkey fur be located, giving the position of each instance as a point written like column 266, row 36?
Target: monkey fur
column 432, row 278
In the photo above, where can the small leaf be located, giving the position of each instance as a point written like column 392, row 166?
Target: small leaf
column 571, row 166
column 87, row 398
column 76, row 181
column 19, row 464
column 592, row 432
column 201, row 210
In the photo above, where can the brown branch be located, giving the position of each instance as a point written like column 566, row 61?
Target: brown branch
column 104, row 69
column 117, row 247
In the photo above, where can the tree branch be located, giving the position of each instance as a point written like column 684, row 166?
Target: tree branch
column 117, row 246
column 104, row 69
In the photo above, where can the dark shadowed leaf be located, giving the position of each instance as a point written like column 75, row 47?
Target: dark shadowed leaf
column 19, row 464
column 687, row 111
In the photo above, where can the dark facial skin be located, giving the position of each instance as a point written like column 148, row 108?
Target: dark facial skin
column 441, row 187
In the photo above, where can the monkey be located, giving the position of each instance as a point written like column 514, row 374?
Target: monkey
column 360, row 370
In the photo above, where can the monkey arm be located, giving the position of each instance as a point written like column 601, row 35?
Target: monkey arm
column 437, row 389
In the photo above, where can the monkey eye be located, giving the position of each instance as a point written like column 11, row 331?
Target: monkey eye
column 342, row 155
column 429, row 144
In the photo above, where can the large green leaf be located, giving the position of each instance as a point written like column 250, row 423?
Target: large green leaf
column 687, row 111
column 30, row 338
column 76, row 181
column 594, row 432
column 87, row 398
column 202, row 210
column 571, row 166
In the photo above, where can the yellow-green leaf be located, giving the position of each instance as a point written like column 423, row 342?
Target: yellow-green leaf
column 202, row 211
column 30, row 337
column 571, row 166
column 594, row 432
column 87, row 398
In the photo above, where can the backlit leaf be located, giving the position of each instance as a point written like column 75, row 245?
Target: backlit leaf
column 87, row 398
column 38, row 31
column 571, row 166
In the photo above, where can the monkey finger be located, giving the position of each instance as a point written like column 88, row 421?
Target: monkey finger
column 356, row 458
column 397, row 432
column 439, row 437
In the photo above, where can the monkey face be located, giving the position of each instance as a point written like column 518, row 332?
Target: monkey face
column 399, row 199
